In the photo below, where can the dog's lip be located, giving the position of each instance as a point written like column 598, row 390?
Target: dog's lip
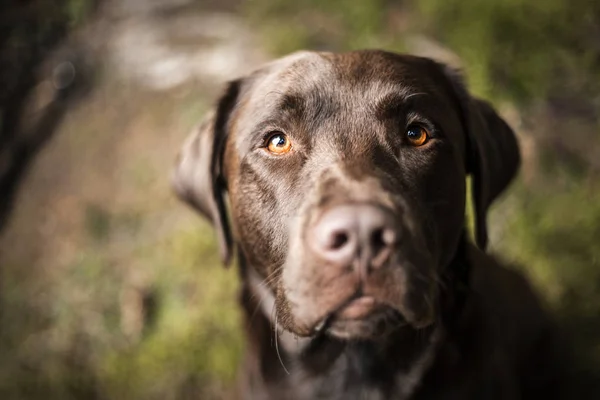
column 356, row 308
column 365, row 310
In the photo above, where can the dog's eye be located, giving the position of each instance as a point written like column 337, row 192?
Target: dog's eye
column 278, row 143
column 417, row 135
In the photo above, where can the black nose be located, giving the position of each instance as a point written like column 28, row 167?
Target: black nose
column 351, row 235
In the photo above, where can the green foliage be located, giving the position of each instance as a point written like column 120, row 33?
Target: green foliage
column 559, row 233
column 97, row 222
column 78, row 10
column 331, row 25
column 519, row 49
column 554, row 235
column 189, row 345
column 195, row 340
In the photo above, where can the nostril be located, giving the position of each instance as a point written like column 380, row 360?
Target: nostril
column 382, row 241
column 383, row 237
column 338, row 240
column 377, row 239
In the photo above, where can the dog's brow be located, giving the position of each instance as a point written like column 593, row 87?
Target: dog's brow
column 291, row 101
column 312, row 105
column 389, row 105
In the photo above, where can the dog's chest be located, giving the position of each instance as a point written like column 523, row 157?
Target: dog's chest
column 357, row 375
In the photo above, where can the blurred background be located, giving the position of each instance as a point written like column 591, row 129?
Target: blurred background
column 112, row 289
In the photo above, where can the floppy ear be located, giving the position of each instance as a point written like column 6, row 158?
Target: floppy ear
column 198, row 179
column 492, row 156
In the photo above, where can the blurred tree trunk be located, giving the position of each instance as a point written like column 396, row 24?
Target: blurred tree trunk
column 30, row 31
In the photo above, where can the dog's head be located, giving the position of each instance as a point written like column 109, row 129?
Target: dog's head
column 345, row 175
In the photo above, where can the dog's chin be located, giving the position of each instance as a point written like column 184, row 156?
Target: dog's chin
column 376, row 324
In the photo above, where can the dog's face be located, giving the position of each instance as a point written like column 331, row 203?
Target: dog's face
column 346, row 180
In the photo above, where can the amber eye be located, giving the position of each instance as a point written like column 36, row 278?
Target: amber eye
column 278, row 143
column 417, row 135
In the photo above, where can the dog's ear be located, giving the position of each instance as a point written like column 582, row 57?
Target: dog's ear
column 492, row 153
column 198, row 179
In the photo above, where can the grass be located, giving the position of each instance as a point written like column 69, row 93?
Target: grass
column 189, row 341
column 195, row 342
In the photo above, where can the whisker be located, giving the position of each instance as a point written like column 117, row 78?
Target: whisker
column 268, row 280
column 271, row 277
column 258, row 306
column 277, row 344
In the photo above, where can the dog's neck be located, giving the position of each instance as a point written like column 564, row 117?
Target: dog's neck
column 395, row 364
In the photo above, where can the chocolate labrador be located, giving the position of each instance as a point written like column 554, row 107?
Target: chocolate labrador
column 344, row 177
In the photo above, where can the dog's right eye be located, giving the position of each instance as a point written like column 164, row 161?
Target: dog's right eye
column 278, row 143
column 417, row 135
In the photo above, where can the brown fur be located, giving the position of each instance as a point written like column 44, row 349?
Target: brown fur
column 450, row 321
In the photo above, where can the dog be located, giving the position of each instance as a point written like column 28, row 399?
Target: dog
column 340, row 182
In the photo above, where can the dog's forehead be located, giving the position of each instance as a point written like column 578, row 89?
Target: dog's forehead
column 370, row 72
column 353, row 82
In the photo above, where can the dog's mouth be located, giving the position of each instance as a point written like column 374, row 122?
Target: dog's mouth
column 357, row 308
column 361, row 317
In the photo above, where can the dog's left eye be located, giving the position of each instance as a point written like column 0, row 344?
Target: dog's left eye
column 417, row 135
column 278, row 143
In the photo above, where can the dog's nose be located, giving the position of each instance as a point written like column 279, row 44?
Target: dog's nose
column 354, row 235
